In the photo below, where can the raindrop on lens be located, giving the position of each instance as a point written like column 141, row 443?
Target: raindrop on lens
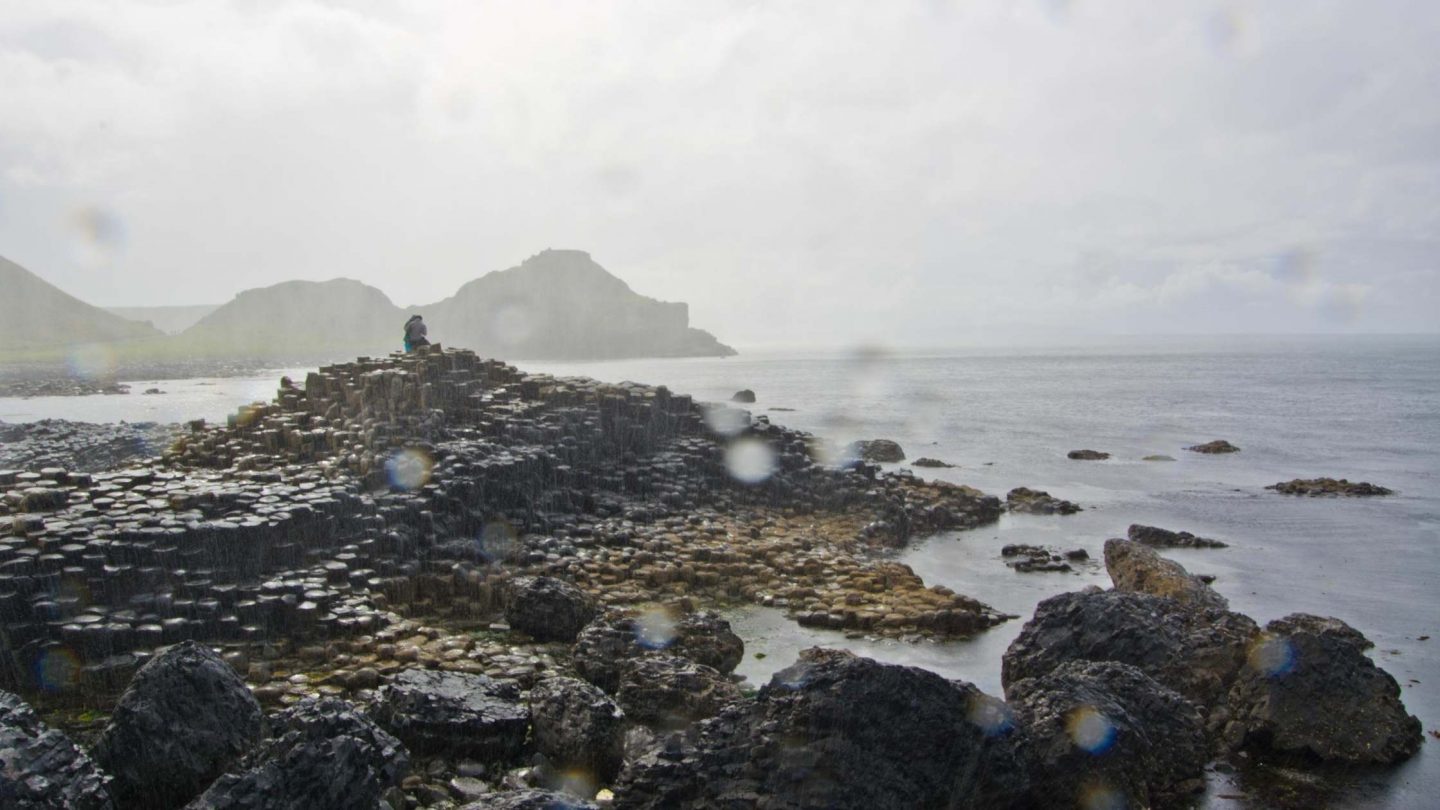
column 408, row 469
column 1090, row 730
column 991, row 714
column 726, row 421
column 655, row 629
column 750, row 460
column 1272, row 656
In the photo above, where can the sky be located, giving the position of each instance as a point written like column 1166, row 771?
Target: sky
column 801, row 173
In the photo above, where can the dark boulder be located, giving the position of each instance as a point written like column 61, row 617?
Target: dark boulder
column 1087, row 455
column 454, row 714
column 1111, row 733
column 185, row 718
column 1037, row 502
column 575, row 725
column 1213, row 448
column 672, row 692
column 40, row 768
column 929, row 462
column 1136, row 567
column 838, row 731
column 603, row 647
column 1329, row 486
column 323, row 754
column 1308, row 689
column 548, row 609
column 42, row 499
column 1195, row 651
column 530, row 799
column 1156, row 537
column 743, row 395
column 878, row 450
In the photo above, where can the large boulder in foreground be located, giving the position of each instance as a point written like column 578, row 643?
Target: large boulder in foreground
column 668, row 691
column 40, row 768
column 1107, row 730
column 838, row 731
column 324, row 754
column 603, row 648
column 1136, row 567
column 1194, row 651
column 1308, row 689
column 575, row 725
column 454, row 714
column 185, row 718
column 548, row 609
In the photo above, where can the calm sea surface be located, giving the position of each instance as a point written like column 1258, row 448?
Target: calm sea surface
column 1358, row 408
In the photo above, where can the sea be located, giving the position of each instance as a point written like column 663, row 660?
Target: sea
column 1366, row 408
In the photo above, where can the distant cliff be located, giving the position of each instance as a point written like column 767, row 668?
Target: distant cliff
column 560, row 304
column 35, row 315
column 170, row 320
column 298, row 319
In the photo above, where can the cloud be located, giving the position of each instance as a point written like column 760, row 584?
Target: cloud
column 800, row 172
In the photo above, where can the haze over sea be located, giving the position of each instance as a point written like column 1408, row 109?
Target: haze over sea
column 1363, row 408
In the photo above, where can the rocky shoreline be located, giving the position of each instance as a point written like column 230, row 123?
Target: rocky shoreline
column 444, row 582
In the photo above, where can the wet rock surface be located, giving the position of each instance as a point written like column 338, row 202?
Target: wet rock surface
column 931, row 462
column 1087, row 455
column 612, row 642
column 1307, row 689
column 455, row 714
column 671, row 692
column 1106, row 733
column 1218, row 446
column 40, row 768
column 1027, row 558
column 743, row 395
column 877, row 450
column 822, row 734
column 577, row 726
column 1136, row 567
column 1317, row 487
column 1157, row 537
column 1037, row 502
column 548, row 609
column 322, row 754
column 184, row 719
column 1196, row 651
column 81, row 446
column 530, row 799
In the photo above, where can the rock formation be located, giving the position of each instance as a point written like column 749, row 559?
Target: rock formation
column 41, row 769
column 1156, row 537
column 1328, row 486
column 1218, row 446
column 1136, row 567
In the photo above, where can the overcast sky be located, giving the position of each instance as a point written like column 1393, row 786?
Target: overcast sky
column 925, row 173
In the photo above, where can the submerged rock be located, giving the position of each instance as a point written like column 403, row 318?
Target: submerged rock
column 838, row 731
column 877, row 450
column 1136, row 567
column 743, row 395
column 1164, row 538
column 185, row 718
column 1027, row 559
column 40, row 768
column 1329, row 486
column 1197, row 651
column 576, row 725
column 1037, row 502
column 454, row 714
column 1157, row 457
column 1212, row 448
column 930, row 462
column 1111, row 733
column 1308, row 689
column 548, row 609
column 1087, row 455
column 323, row 754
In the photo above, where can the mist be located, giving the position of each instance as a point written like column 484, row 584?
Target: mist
column 924, row 173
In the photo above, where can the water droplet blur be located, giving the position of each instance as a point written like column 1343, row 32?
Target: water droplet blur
column 99, row 235
column 576, row 782
column 497, row 540
column 655, row 628
column 514, row 323
column 725, row 420
column 1099, row 796
column 793, row 677
column 1226, row 31
column 92, row 362
column 1090, row 730
column 409, row 469
column 991, row 714
column 1272, row 656
column 833, row 453
column 56, row 669
column 750, row 461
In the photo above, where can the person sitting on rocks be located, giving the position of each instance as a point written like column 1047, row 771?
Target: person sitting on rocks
column 415, row 333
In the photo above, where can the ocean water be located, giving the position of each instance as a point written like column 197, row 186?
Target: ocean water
column 1358, row 408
